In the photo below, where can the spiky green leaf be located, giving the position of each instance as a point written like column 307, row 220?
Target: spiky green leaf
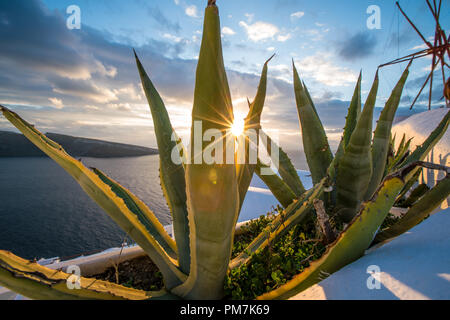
column 252, row 123
column 315, row 141
column 279, row 188
column 418, row 212
column 421, row 152
column 382, row 135
column 294, row 214
column 37, row 282
column 212, row 189
column 350, row 244
column 355, row 166
column 286, row 168
column 171, row 168
column 353, row 112
column 124, row 208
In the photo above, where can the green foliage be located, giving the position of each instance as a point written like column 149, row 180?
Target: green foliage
column 251, row 230
column 275, row 264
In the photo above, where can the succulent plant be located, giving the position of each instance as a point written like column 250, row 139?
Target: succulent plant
column 360, row 183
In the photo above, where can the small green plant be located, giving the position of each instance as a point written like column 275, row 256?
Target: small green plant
column 276, row 264
column 251, row 230
column 353, row 187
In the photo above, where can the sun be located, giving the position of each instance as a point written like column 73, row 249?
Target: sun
column 237, row 128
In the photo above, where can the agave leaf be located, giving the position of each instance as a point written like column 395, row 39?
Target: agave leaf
column 401, row 145
column 212, row 189
column 351, row 243
column 409, row 184
column 37, row 282
column 286, row 168
column 171, row 169
column 419, row 211
column 279, row 188
column 382, row 135
column 405, row 148
column 118, row 203
column 353, row 112
column 416, row 194
column 393, row 153
column 355, row 166
column 181, row 149
column 421, row 152
column 253, row 118
column 315, row 141
column 294, row 214
column 252, row 122
column 143, row 213
column 309, row 98
column 400, row 157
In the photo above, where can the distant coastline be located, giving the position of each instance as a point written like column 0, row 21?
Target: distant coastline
column 16, row 145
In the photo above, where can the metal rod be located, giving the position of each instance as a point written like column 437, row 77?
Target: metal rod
column 420, row 91
column 412, row 24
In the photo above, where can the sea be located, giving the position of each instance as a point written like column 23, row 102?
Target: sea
column 44, row 213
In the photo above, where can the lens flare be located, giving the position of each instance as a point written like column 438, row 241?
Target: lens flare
column 237, row 128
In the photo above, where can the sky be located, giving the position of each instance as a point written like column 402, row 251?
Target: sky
column 84, row 82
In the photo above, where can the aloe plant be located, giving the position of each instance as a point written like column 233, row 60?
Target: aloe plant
column 205, row 199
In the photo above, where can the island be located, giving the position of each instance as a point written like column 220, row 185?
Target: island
column 16, row 145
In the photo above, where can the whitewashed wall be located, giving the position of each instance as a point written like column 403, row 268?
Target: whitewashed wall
column 419, row 127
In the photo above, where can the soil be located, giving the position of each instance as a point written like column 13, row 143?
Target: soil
column 140, row 273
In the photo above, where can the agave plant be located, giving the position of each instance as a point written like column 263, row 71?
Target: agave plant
column 358, row 185
column 205, row 199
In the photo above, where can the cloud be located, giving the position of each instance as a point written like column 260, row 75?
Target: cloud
column 260, row 31
column 159, row 17
column 413, row 86
column 419, row 47
column 402, row 38
column 83, row 89
column 191, row 11
column 108, row 71
column 228, row 31
column 171, row 37
column 360, row 45
column 297, row 15
column 321, row 68
column 57, row 103
column 80, row 74
column 109, row 103
column 284, row 37
column 250, row 17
